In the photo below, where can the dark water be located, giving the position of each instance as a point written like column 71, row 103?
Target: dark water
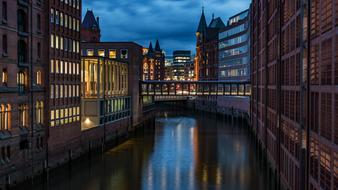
column 183, row 152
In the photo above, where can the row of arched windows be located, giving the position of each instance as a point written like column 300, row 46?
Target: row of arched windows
column 6, row 112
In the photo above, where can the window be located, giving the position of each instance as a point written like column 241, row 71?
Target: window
column 22, row 51
column 101, row 52
column 52, row 17
column 90, row 52
column 52, row 66
column 52, row 41
column 4, row 44
column 57, row 42
column 39, row 112
column 112, row 54
column 57, row 18
column 61, row 18
column 23, row 115
column 4, row 11
column 21, row 80
column 22, row 20
column 39, row 50
column 52, row 91
column 38, row 78
column 38, row 20
column 66, row 21
column 5, row 117
column 124, row 54
column 4, row 78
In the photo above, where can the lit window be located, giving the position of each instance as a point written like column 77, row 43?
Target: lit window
column 39, row 112
column 61, row 67
column 38, row 78
column 61, row 43
column 52, row 91
column 5, row 117
column 23, row 115
column 52, row 66
column 52, row 41
column 57, row 42
column 66, row 67
column 4, row 78
column 52, row 117
column 56, row 66
column 112, row 54
column 101, row 53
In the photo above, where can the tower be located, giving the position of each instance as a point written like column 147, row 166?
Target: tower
column 90, row 28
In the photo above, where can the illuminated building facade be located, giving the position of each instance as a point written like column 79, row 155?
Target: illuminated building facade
column 294, row 102
column 154, row 63
column 121, row 53
column 104, row 91
column 90, row 28
column 182, row 67
column 64, row 79
column 234, row 57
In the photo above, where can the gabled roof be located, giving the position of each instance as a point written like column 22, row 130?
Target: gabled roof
column 202, row 26
column 89, row 21
column 216, row 23
column 157, row 46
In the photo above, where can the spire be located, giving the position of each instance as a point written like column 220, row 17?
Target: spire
column 150, row 49
column 203, row 23
column 157, row 46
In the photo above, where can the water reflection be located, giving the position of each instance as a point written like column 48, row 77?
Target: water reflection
column 202, row 152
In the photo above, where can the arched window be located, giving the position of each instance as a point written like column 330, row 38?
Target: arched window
column 23, row 115
column 39, row 112
column 5, row 117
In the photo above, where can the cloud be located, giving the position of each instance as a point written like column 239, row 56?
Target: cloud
column 173, row 22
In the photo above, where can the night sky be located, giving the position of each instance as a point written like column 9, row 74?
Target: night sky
column 173, row 22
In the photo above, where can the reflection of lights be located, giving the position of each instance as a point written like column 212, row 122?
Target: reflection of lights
column 205, row 174
column 218, row 176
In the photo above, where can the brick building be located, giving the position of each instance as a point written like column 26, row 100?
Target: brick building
column 39, row 80
column 206, row 61
column 207, row 48
column 90, row 28
column 153, row 63
column 294, row 96
column 64, row 80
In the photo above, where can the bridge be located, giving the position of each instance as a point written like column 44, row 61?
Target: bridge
column 194, row 88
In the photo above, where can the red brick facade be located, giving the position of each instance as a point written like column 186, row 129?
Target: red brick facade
column 293, row 109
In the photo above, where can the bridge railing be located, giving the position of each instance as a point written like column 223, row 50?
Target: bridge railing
column 194, row 88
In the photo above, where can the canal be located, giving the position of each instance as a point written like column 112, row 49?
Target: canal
column 187, row 151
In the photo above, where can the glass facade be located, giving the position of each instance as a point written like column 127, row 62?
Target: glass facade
column 233, row 55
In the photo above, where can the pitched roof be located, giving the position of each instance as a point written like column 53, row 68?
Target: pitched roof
column 216, row 23
column 89, row 21
column 157, row 46
column 202, row 26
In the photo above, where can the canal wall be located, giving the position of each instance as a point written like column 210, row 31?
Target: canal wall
column 238, row 107
column 38, row 165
